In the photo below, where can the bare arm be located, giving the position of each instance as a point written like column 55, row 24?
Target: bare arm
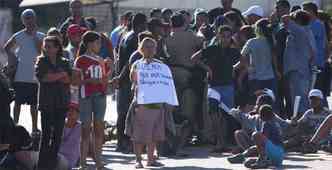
column 275, row 64
column 8, row 47
column 38, row 44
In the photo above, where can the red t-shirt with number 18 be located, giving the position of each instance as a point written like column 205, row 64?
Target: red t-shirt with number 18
column 91, row 67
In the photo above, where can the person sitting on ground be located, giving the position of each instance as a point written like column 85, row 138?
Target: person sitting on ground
column 11, row 142
column 251, row 122
column 323, row 132
column 70, row 146
column 268, row 141
column 309, row 122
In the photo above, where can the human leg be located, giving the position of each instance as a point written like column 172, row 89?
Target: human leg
column 47, row 124
column 242, row 139
column 323, row 131
column 99, row 108
column 86, row 119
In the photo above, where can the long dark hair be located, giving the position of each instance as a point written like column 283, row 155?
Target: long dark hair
column 56, row 42
column 264, row 28
column 89, row 36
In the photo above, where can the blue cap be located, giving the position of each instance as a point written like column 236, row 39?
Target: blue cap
column 28, row 13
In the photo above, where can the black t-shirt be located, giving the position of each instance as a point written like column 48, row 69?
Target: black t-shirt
column 280, row 37
column 221, row 61
column 127, row 47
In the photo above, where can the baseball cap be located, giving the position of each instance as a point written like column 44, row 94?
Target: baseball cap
column 75, row 29
column 254, row 10
column 28, row 13
column 316, row 93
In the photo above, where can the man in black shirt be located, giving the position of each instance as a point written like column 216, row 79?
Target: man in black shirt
column 280, row 34
column 219, row 59
column 127, row 47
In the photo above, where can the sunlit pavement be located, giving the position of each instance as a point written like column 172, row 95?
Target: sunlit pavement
column 198, row 159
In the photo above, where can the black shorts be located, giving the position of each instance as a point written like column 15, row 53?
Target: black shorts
column 26, row 93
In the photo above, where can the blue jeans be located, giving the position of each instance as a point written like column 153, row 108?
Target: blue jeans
column 299, row 86
column 226, row 94
column 93, row 105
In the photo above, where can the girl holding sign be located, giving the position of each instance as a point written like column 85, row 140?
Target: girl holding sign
column 95, row 72
column 149, row 117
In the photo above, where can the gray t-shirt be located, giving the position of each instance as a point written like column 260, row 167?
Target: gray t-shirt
column 26, row 53
column 252, row 123
column 259, row 56
column 313, row 119
column 297, row 50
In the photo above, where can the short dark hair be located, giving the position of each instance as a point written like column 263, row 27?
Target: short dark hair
column 184, row 12
column 127, row 15
column 138, row 20
column 224, row 28
column 154, row 23
column 177, row 20
column 283, row 3
column 266, row 112
column 92, row 22
column 154, row 11
column 310, row 6
column 233, row 16
column 302, row 17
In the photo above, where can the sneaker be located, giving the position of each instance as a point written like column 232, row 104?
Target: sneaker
column 236, row 159
column 259, row 164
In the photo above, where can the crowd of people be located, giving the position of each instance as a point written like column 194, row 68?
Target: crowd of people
column 252, row 83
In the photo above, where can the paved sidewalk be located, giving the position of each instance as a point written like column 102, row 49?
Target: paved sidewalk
column 199, row 158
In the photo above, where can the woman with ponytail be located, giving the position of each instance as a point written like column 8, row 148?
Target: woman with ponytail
column 95, row 73
column 258, row 59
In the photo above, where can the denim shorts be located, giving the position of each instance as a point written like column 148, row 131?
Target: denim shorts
column 93, row 108
column 275, row 153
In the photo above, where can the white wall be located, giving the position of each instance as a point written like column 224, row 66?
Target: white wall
column 206, row 4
